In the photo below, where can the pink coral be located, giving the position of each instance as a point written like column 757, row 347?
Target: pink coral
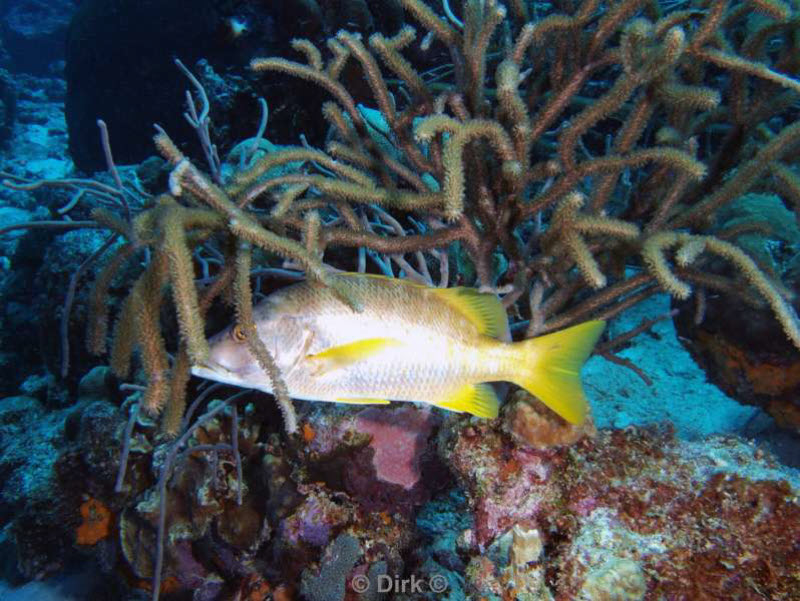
column 399, row 437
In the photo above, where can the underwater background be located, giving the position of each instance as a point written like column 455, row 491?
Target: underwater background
column 625, row 160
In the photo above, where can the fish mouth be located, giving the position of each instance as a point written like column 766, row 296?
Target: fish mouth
column 210, row 370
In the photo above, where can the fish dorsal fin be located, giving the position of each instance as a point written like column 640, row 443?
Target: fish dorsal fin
column 483, row 310
column 379, row 277
column 344, row 355
column 479, row 400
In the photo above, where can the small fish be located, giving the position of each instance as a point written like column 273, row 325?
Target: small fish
column 410, row 342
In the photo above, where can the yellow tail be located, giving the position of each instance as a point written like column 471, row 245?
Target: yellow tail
column 549, row 368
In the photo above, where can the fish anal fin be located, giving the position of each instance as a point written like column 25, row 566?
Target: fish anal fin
column 483, row 310
column 337, row 357
column 364, row 401
column 478, row 399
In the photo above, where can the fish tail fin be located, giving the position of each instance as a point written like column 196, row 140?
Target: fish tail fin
column 549, row 368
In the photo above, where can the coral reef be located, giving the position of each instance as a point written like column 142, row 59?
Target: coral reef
column 615, row 514
column 575, row 159
column 629, row 514
column 748, row 358
column 58, row 467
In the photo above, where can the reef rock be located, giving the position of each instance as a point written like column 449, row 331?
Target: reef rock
column 632, row 514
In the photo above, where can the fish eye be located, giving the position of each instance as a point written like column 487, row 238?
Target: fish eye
column 238, row 334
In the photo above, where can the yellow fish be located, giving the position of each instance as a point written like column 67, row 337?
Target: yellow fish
column 409, row 343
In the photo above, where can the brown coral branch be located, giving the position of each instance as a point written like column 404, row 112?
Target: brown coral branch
column 745, row 177
column 244, row 317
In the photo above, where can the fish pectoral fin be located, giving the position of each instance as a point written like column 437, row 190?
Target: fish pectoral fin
column 344, row 355
column 365, row 401
column 308, row 338
column 479, row 400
